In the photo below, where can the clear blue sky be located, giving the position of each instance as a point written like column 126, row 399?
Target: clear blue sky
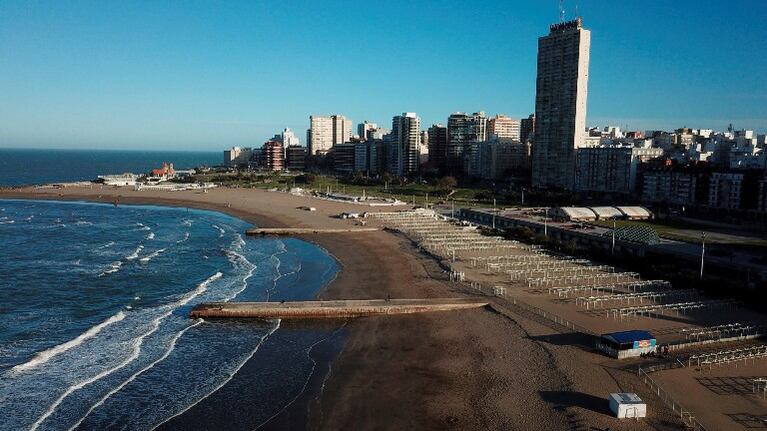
column 208, row 75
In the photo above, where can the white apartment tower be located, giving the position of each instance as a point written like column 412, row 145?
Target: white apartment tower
column 560, row 103
column 406, row 138
column 289, row 139
column 326, row 131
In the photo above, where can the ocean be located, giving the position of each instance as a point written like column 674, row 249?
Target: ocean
column 25, row 167
column 95, row 332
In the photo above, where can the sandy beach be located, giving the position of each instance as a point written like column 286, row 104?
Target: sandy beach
column 490, row 368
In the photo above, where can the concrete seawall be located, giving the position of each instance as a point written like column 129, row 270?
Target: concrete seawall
column 304, row 231
column 332, row 309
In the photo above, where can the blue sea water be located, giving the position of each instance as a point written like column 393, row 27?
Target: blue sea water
column 94, row 326
column 24, row 167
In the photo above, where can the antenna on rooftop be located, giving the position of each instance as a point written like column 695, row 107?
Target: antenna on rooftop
column 576, row 9
column 561, row 10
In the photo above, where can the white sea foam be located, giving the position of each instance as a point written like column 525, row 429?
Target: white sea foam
column 46, row 355
column 187, row 223
column 186, row 237
column 107, row 245
column 114, row 267
column 8, row 222
column 135, row 253
column 152, row 255
column 221, row 231
column 133, row 377
column 83, row 223
column 234, row 258
column 135, row 351
column 150, row 236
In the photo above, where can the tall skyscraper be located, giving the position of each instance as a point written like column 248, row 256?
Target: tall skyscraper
column 464, row 132
column 406, row 140
column 326, row 131
column 503, row 126
column 560, row 103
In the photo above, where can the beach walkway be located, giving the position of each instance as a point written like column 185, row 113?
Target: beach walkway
column 333, row 309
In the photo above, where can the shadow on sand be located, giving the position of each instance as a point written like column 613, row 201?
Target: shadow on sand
column 563, row 399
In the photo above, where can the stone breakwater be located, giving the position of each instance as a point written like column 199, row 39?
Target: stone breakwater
column 332, row 309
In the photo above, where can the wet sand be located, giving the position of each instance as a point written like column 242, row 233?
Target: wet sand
column 473, row 369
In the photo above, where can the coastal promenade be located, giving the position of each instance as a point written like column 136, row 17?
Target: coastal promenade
column 333, row 309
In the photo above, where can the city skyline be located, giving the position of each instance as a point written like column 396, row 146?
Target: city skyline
column 166, row 77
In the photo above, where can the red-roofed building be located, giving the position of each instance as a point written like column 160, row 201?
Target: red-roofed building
column 164, row 173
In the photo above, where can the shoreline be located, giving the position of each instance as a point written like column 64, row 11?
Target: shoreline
column 470, row 369
column 329, row 347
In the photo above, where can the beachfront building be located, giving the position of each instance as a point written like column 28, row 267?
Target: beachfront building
column 437, row 146
column 295, row 158
column 325, row 131
column 464, row 132
column 164, row 173
column 237, row 156
column 272, row 156
column 343, row 157
column 405, row 143
column 503, row 126
column 627, row 344
column 560, row 103
column 500, row 158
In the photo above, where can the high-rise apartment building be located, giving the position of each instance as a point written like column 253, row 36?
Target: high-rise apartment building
column 438, row 146
column 272, row 156
column 463, row 133
column 326, row 131
column 527, row 128
column 365, row 129
column 236, row 156
column 502, row 126
column 406, row 141
column 289, row 139
column 560, row 103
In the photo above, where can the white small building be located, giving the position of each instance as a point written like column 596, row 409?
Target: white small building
column 126, row 179
column 627, row 405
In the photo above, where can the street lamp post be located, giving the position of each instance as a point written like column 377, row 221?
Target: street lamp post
column 523, row 196
column 494, row 210
column 702, row 254
column 612, row 251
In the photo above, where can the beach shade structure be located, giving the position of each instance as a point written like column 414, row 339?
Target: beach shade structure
column 627, row 344
column 638, row 234
column 627, row 405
